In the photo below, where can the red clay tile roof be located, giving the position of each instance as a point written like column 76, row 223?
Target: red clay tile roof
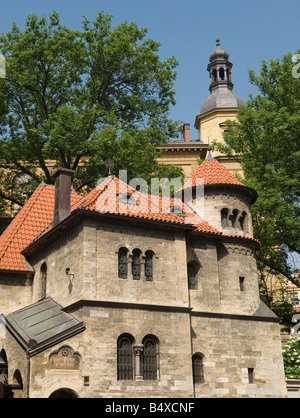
column 34, row 217
column 141, row 205
column 212, row 172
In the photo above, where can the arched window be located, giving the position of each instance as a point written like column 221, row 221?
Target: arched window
column 43, row 280
column 136, row 264
column 224, row 218
column 198, row 370
column 191, row 273
column 125, row 357
column 149, row 266
column 122, row 263
column 233, row 217
column 214, row 73
column 242, row 220
column 150, row 358
column 222, row 73
column 3, row 363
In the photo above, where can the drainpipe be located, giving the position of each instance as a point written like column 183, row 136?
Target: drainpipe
column 28, row 376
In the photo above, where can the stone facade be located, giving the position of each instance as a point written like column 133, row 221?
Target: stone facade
column 216, row 319
column 189, row 324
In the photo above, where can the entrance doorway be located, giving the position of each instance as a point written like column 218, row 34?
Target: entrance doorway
column 63, row 394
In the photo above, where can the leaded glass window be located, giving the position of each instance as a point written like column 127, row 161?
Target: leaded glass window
column 125, row 358
column 136, row 265
column 122, row 263
column 149, row 266
column 150, row 359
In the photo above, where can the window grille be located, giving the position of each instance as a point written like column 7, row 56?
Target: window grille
column 198, row 370
column 149, row 266
column 122, row 263
column 136, row 265
column 149, row 359
column 125, row 358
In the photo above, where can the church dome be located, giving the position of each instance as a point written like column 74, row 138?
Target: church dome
column 218, row 53
column 221, row 86
column 221, row 99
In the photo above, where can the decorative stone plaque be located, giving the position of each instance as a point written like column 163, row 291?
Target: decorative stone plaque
column 65, row 359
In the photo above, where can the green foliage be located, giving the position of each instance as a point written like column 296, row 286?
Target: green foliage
column 291, row 357
column 75, row 98
column 267, row 138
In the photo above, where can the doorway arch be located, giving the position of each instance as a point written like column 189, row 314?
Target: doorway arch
column 63, row 393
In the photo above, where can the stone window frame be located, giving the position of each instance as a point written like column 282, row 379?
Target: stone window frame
column 224, row 217
column 143, row 255
column 125, row 358
column 192, row 264
column 149, row 255
column 123, row 264
column 137, row 358
column 43, row 276
column 234, row 218
column 198, row 368
column 136, row 264
column 149, row 368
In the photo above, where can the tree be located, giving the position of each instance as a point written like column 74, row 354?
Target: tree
column 76, row 98
column 267, row 138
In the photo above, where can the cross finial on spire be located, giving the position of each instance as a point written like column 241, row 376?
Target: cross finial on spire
column 209, row 156
column 109, row 164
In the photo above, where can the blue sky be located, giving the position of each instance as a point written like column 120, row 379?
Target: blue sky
column 249, row 31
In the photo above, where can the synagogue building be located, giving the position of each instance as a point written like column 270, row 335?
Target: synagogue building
column 123, row 293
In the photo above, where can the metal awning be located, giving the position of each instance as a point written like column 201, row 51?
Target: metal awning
column 42, row 325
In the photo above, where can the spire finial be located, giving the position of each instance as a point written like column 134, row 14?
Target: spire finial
column 109, row 164
column 209, row 156
column 218, row 40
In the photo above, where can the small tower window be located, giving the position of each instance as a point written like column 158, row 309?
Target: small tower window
column 198, row 369
column 136, row 265
column 149, row 266
column 43, row 280
column 214, row 73
column 233, row 217
column 242, row 220
column 224, row 218
column 222, row 73
column 242, row 283
column 122, row 263
column 191, row 273
column 251, row 376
